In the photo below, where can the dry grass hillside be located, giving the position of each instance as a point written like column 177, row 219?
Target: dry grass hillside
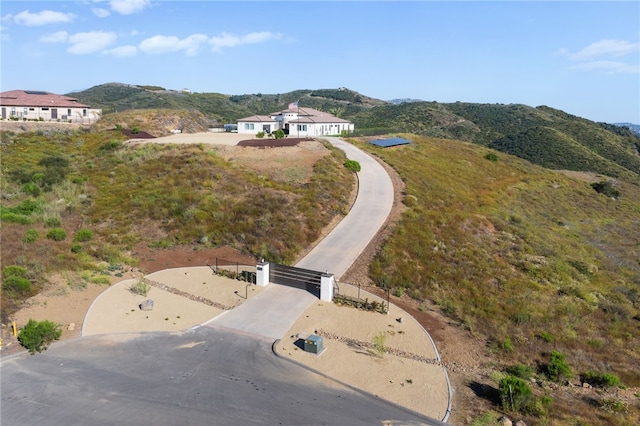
column 158, row 122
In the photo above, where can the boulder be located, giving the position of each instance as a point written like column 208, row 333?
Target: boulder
column 504, row 420
column 147, row 305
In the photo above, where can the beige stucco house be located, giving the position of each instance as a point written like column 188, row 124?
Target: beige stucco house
column 45, row 106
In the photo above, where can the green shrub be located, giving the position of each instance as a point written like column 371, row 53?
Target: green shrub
column 604, row 187
column 507, row 345
column 378, row 343
column 515, row 394
column 547, row 337
column 30, row 235
column 76, row 248
column 37, row 335
column 17, row 284
column 596, row 378
column 83, row 235
column 520, row 370
column 352, row 165
column 260, row 135
column 140, row 288
column 558, row 369
column 279, row 134
column 52, row 222
column 398, row 292
column 110, row 146
column 491, row 156
column 14, row 271
column 9, row 217
column 31, row 188
column 57, row 234
column 614, row 405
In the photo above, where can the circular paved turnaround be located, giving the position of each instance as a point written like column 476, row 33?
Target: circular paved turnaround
column 200, row 377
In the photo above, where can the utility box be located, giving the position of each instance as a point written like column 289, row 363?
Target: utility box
column 313, row 344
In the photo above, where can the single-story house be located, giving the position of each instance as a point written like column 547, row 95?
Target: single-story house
column 257, row 123
column 302, row 122
column 45, row 106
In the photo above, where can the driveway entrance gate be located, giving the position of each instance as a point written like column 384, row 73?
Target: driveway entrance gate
column 296, row 277
column 317, row 283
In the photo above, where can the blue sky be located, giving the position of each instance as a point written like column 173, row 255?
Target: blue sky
column 580, row 57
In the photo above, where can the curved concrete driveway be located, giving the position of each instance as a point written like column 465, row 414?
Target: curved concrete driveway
column 337, row 252
column 272, row 313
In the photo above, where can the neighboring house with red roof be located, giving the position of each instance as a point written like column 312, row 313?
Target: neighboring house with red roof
column 303, row 122
column 45, row 106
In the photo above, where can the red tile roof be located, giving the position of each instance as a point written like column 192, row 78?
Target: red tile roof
column 36, row 98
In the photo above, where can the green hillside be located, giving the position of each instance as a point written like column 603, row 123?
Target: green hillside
column 527, row 259
column 542, row 135
column 219, row 108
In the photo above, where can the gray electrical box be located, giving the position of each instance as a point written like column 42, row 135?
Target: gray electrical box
column 313, row 344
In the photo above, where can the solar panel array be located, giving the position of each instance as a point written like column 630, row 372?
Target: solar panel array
column 386, row 143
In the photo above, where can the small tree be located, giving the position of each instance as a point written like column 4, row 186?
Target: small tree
column 515, row 394
column 558, row 369
column 37, row 335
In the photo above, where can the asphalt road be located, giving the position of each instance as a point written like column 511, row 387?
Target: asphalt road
column 205, row 376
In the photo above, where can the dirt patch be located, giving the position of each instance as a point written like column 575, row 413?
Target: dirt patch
column 130, row 134
column 152, row 260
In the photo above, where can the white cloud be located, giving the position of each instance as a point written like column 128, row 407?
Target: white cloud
column 230, row 40
column 57, row 37
column 166, row 44
column 100, row 12
column 190, row 45
column 128, row 7
column 606, row 48
column 609, row 67
column 122, row 51
column 44, row 17
column 90, row 42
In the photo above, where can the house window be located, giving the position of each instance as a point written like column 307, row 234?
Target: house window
column 302, row 127
column 32, row 109
column 248, row 126
column 68, row 111
column 45, row 108
column 13, row 112
column 84, row 112
column 26, row 111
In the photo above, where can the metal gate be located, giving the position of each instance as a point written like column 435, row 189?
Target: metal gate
column 295, row 277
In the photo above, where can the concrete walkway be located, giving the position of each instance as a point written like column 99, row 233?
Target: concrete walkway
column 272, row 313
